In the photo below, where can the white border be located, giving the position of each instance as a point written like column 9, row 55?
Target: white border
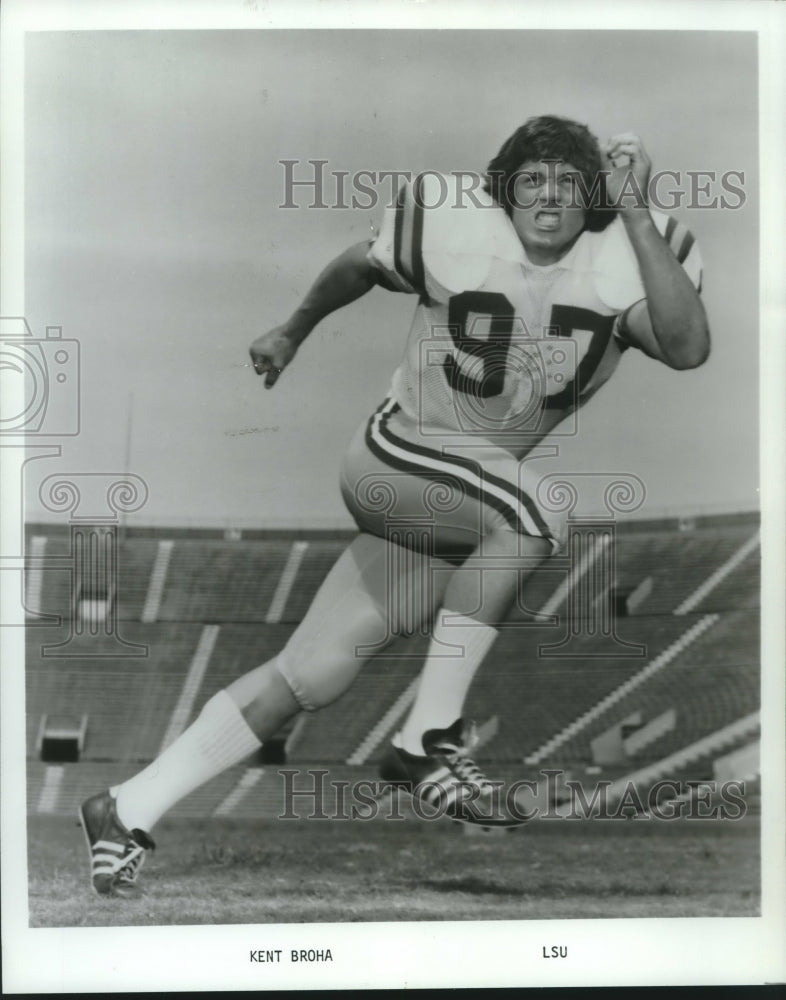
column 643, row 952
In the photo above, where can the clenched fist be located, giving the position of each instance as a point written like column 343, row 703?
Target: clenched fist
column 630, row 173
column 272, row 352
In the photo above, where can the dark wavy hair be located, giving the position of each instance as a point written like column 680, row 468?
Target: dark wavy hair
column 549, row 137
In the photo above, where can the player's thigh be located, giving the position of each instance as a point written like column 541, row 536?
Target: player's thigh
column 373, row 594
column 406, row 485
column 374, row 581
column 430, row 513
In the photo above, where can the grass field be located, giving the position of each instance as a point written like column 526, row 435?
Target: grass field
column 219, row 871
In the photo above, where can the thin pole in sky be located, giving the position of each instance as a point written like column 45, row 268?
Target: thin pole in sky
column 127, row 463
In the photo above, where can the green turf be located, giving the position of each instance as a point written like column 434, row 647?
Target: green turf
column 232, row 871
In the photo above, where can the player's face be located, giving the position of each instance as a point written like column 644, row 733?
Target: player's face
column 546, row 209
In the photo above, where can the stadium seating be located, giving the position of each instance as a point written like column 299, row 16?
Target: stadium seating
column 128, row 702
column 552, row 692
column 678, row 562
column 710, row 683
column 237, row 599
column 220, row 581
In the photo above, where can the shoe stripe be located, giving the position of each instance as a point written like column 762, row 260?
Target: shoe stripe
column 111, row 868
column 434, row 793
column 116, row 862
column 119, row 863
column 108, row 845
column 438, row 775
column 452, row 795
column 443, row 793
column 430, row 794
column 113, row 864
column 105, row 871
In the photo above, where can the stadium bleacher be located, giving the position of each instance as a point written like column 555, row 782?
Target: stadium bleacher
column 710, row 683
column 209, row 607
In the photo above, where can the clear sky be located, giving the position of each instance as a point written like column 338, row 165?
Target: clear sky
column 154, row 236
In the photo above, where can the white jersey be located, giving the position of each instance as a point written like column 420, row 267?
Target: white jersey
column 499, row 345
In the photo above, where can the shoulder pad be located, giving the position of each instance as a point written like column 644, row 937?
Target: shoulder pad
column 615, row 269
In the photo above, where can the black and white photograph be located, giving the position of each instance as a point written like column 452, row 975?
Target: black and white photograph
column 392, row 450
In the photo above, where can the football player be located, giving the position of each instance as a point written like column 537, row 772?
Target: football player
column 529, row 291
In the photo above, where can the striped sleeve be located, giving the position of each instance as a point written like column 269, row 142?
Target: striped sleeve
column 684, row 246
column 398, row 250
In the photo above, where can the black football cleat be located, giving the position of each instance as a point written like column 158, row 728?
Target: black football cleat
column 116, row 854
column 446, row 781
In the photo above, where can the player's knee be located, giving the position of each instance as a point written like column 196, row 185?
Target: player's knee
column 313, row 684
column 518, row 550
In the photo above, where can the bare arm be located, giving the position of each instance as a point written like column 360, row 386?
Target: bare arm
column 671, row 324
column 345, row 279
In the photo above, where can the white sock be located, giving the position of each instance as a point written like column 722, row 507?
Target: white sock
column 446, row 677
column 218, row 738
